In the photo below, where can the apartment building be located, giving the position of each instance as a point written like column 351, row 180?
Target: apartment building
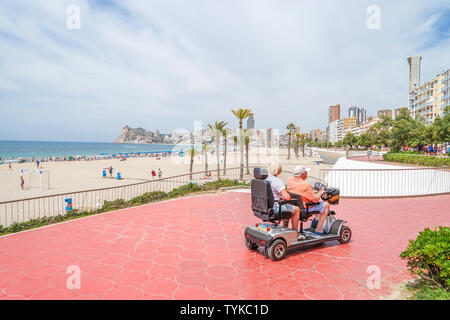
column 384, row 112
column 428, row 100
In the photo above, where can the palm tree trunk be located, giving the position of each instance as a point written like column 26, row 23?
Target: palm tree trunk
column 246, row 151
column 218, row 157
column 241, row 171
column 225, row 155
column 206, row 161
column 190, row 169
column 289, row 147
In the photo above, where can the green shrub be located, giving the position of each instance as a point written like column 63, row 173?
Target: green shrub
column 429, row 161
column 428, row 256
column 421, row 291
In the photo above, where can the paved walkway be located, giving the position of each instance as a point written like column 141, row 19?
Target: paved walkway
column 193, row 248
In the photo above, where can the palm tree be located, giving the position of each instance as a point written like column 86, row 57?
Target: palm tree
column 303, row 141
column 242, row 114
column 192, row 154
column 297, row 143
column 290, row 132
column 246, row 140
column 205, row 149
column 235, row 142
column 225, row 134
column 217, row 130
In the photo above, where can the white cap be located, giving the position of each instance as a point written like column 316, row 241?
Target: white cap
column 298, row 171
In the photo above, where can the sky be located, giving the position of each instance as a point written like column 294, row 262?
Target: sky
column 167, row 63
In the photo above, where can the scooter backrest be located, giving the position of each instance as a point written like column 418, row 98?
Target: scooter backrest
column 262, row 196
column 260, row 173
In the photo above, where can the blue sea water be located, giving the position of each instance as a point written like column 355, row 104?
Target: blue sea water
column 43, row 149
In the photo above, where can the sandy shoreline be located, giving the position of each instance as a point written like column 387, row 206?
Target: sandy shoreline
column 71, row 176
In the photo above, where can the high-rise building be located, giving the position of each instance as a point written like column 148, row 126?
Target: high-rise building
column 269, row 137
column 445, row 98
column 315, row 134
column 336, row 131
column 414, row 72
column 334, row 113
column 429, row 100
column 356, row 112
column 385, row 112
column 353, row 112
column 250, row 122
column 350, row 122
column 398, row 110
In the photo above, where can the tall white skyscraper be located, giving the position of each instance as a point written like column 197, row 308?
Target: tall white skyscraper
column 356, row 112
column 250, row 123
column 414, row 72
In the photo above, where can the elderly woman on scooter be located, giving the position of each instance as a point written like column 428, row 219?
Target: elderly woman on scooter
column 280, row 193
column 298, row 185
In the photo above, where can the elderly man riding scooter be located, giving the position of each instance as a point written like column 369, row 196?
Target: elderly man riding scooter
column 298, row 185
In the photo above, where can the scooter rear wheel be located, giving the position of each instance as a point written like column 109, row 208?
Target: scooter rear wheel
column 250, row 245
column 277, row 250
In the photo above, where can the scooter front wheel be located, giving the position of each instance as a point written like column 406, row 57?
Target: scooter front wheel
column 345, row 235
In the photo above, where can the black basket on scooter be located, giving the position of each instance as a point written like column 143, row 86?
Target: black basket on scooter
column 331, row 195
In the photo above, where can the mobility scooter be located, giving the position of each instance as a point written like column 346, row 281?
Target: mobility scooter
column 276, row 239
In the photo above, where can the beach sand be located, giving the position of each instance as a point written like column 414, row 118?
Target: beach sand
column 71, row 176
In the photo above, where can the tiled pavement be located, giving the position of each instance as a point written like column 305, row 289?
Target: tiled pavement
column 192, row 248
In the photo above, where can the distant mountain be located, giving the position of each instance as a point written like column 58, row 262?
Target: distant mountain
column 140, row 135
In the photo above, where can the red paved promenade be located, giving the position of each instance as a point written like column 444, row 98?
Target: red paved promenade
column 193, row 248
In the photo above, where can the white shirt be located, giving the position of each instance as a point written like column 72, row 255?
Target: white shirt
column 277, row 186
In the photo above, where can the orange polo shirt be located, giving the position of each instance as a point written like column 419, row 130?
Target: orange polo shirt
column 299, row 186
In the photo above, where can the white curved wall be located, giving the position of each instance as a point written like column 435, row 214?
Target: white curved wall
column 365, row 179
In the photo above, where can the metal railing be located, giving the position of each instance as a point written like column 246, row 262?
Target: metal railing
column 22, row 210
column 398, row 182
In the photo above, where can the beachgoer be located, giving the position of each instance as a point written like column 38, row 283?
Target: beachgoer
column 110, row 171
column 159, row 173
column 37, row 163
column 9, row 166
column 22, row 182
column 298, row 185
column 420, row 147
column 430, row 149
column 153, row 174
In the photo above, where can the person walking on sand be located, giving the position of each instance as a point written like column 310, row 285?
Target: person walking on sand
column 9, row 166
column 110, row 171
column 153, row 174
column 22, row 182
column 159, row 173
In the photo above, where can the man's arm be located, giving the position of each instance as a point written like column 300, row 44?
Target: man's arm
column 285, row 194
column 311, row 196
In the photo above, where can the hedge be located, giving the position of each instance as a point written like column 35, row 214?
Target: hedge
column 428, row 256
column 122, row 204
column 429, row 161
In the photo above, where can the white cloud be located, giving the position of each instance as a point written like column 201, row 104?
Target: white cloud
column 163, row 64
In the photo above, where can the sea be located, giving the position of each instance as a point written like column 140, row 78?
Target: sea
column 10, row 150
